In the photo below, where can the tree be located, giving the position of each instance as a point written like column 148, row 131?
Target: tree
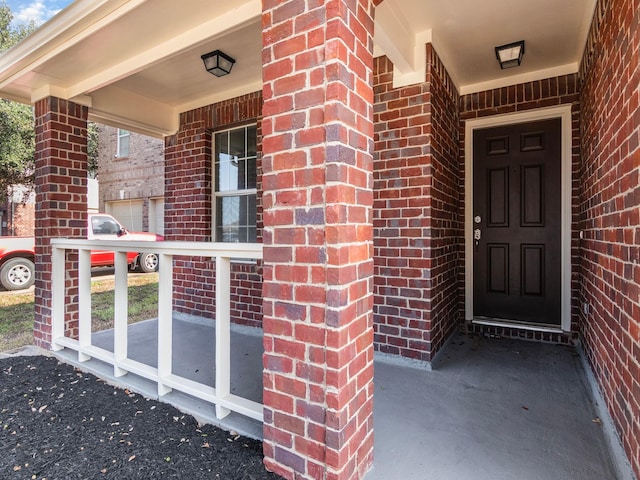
column 17, row 137
column 17, row 144
column 92, row 149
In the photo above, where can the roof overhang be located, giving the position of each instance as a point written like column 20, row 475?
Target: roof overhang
column 136, row 63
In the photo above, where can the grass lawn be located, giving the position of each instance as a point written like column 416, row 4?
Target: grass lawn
column 16, row 309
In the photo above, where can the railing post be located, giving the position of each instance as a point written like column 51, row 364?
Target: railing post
column 120, row 313
column 221, row 396
column 223, row 332
column 165, row 320
column 57, row 296
column 84, row 303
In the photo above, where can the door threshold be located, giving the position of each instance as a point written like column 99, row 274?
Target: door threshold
column 536, row 327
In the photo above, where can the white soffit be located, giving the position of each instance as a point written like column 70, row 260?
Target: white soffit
column 465, row 32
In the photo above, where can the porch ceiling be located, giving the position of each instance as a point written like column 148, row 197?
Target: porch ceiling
column 137, row 64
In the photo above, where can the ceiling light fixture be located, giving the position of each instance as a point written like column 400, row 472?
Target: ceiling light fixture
column 510, row 55
column 218, row 63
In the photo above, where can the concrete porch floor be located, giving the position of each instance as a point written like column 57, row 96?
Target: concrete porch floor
column 490, row 408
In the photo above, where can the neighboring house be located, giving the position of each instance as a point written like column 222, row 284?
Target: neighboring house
column 131, row 175
column 401, row 184
column 17, row 212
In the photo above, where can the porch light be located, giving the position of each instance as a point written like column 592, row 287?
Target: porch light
column 218, row 63
column 510, row 55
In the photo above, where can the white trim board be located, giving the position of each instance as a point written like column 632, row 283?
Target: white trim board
column 564, row 113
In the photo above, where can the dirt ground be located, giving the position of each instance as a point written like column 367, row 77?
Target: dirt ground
column 57, row 422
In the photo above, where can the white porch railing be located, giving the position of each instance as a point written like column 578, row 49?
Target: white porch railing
column 220, row 395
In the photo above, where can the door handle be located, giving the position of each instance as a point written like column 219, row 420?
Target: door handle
column 477, row 234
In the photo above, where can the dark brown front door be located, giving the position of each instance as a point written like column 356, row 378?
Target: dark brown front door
column 517, row 211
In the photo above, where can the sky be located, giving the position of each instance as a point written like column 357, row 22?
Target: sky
column 37, row 10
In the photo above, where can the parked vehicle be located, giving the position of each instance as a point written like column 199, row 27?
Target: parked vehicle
column 17, row 269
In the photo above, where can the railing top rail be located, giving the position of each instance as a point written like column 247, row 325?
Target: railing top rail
column 201, row 249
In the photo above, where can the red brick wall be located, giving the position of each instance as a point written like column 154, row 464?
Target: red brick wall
column 518, row 98
column 610, row 213
column 23, row 221
column 418, row 219
column 188, row 210
column 318, row 239
column 447, row 210
column 61, row 199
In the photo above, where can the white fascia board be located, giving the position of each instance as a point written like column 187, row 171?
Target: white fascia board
column 124, row 109
column 522, row 78
column 131, row 124
column 418, row 73
column 404, row 47
column 221, row 96
column 74, row 24
column 394, row 39
column 54, row 91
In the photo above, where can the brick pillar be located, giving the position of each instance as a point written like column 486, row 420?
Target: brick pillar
column 61, row 203
column 317, row 180
column 188, row 179
column 418, row 219
column 188, row 209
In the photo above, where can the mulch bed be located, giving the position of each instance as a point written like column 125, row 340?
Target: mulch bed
column 57, row 422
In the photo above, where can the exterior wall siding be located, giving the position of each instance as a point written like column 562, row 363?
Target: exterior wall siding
column 188, row 210
column 610, row 213
column 549, row 92
column 418, row 216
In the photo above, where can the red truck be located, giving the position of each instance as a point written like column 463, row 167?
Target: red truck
column 17, row 269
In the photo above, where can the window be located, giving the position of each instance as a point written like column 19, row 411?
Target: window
column 123, row 143
column 235, row 185
column 104, row 225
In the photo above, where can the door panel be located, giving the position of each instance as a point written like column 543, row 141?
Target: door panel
column 498, row 265
column 532, row 271
column 516, row 203
column 498, row 197
column 532, row 198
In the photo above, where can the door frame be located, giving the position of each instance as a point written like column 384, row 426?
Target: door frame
column 564, row 113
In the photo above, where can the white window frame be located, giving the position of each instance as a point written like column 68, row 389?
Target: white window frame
column 228, row 193
column 120, row 134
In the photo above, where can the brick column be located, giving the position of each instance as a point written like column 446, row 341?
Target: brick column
column 419, row 216
column 188, row 179
column 188, row 209
column 317, row 181
column 61, row 203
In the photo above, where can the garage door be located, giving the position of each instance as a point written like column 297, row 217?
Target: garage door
column 128, row 213
column 156, row 215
